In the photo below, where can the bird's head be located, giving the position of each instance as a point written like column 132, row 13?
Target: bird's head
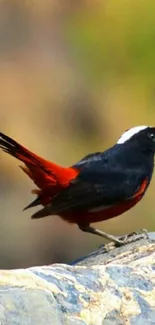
column 141, row 136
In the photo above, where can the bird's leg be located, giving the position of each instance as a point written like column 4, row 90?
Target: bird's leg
column 100, row 233
column 117, row 240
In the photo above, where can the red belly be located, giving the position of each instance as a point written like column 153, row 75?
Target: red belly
column 86, row 218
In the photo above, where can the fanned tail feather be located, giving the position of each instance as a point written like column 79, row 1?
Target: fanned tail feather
column 45, row 212
column 49, row 177
column 33, row 204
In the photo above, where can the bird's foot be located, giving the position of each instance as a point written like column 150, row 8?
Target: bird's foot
column 132, row 237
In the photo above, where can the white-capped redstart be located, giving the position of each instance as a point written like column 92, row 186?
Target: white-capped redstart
column 100, row 186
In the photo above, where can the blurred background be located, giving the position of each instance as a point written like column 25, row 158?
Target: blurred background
column 73, row 76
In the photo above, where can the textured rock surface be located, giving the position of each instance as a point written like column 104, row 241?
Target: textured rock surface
column 112, row 286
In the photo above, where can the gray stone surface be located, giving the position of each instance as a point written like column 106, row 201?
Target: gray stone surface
column 111, row 286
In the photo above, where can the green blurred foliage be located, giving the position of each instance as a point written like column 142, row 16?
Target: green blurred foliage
column 117, row 38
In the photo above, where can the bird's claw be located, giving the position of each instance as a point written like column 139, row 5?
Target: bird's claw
column 132, row 237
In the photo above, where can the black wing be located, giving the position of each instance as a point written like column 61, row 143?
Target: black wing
column 89, row 159
column 93, row 188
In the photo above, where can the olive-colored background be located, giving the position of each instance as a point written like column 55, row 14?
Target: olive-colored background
column 73, row 76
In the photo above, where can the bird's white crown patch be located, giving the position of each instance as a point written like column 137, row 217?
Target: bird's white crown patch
column 129, row 133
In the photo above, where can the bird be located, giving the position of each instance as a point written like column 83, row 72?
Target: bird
column 98, row 187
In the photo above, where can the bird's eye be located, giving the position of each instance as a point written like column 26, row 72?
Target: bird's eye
column 152, row 136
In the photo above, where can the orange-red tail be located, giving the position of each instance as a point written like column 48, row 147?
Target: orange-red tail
column 49, row 177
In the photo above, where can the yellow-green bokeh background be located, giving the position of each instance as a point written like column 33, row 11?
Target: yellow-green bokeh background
column 73, row 76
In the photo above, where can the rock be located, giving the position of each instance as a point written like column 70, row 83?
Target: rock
column 111, row 286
